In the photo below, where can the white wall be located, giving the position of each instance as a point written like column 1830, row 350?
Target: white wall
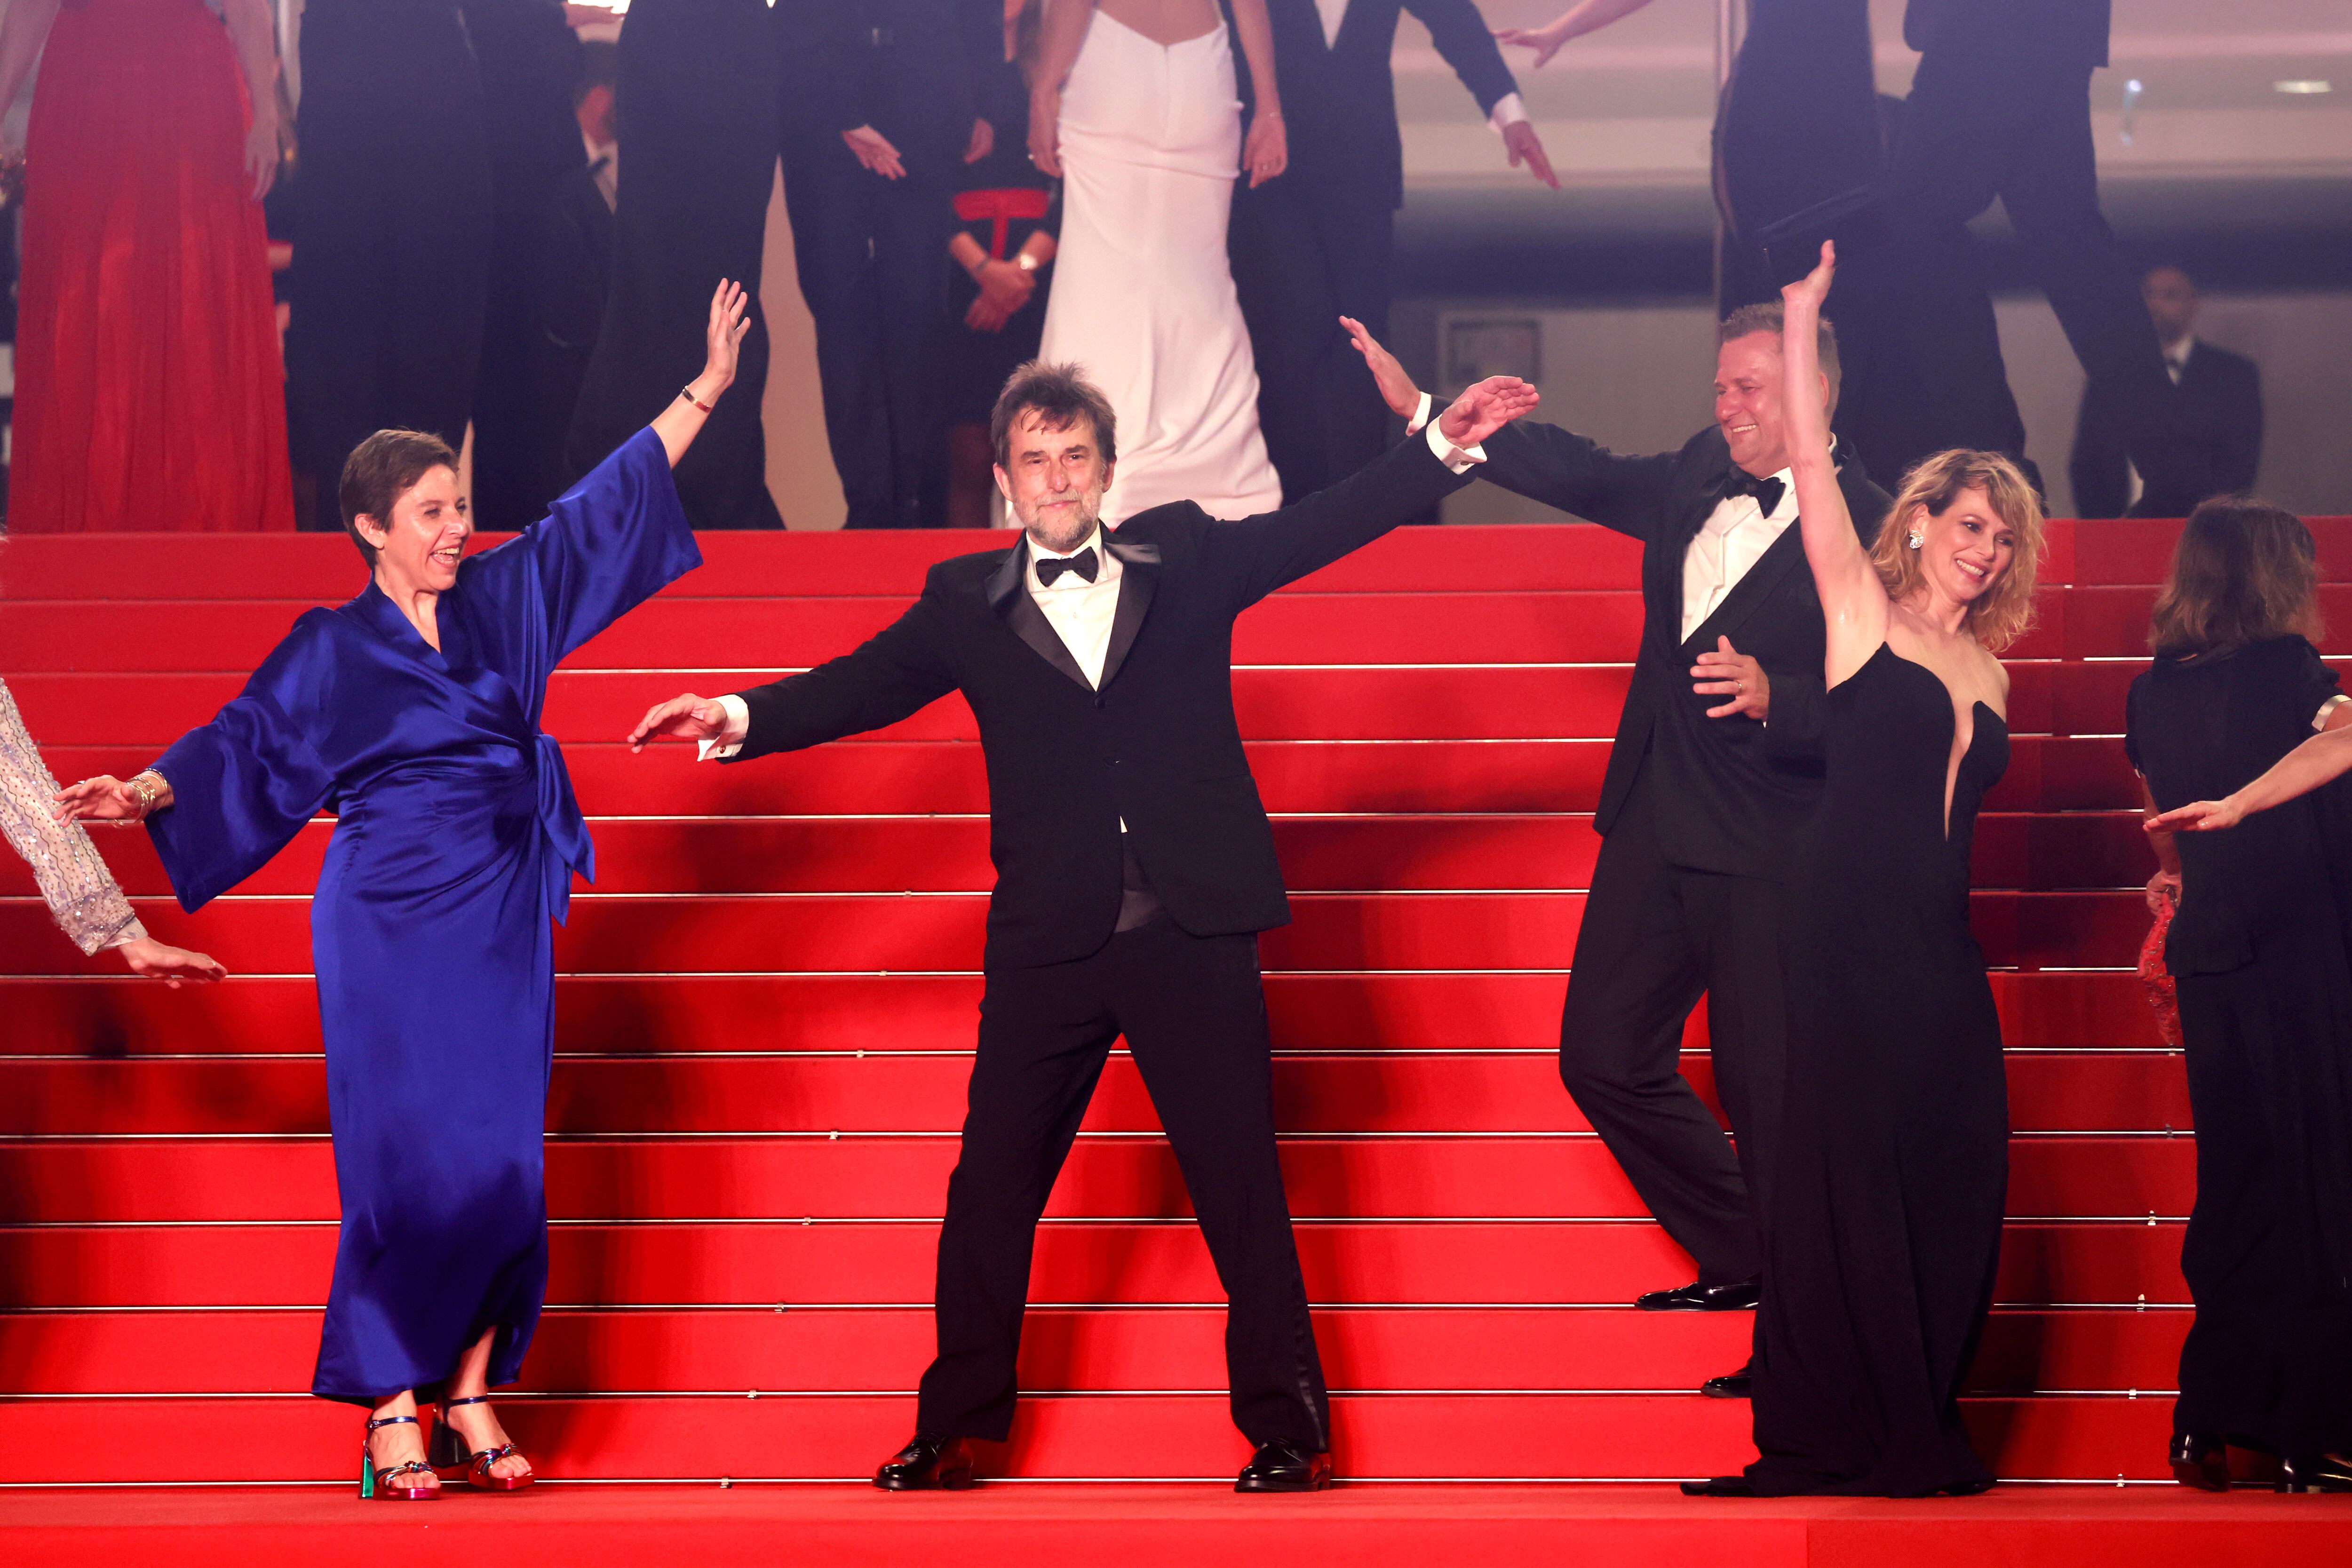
column 1635, row 378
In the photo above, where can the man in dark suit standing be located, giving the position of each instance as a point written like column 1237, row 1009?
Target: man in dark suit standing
column 1717, row 760
column 882, row 102
column 1319, row 242
column 1134, row 869
column 2222, row 392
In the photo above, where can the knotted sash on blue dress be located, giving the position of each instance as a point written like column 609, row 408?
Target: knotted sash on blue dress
column 457, row 838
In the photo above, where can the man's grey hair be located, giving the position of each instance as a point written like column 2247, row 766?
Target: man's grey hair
column 1060, row 396
column 1766, row 317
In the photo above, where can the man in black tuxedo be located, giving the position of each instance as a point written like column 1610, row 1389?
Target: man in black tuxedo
column 1134, row 869
column 1319, row 242
column 2000, row 107
column 1717, row 760
column 2222, row 392
column 883, row 102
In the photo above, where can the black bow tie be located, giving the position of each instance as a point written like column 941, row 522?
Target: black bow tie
column 1766, row 491
column 1083, row 563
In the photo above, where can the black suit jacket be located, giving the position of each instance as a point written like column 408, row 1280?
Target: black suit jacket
column 918, row 71
column 1730, row 793
column 2222, row 403
column 1339, row 100
column 1156, row 745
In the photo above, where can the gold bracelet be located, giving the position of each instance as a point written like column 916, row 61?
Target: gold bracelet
column 687, row 391
column 147, row 793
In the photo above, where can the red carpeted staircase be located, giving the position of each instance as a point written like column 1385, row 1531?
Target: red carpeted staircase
column 766, row 1015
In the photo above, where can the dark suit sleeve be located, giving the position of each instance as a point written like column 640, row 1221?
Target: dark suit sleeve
column 816, row 41
column 2237, row 435
column 1462, row 36
column 1545, row 463
column 1792, row 733
column 1261, row 554
column 904, row 666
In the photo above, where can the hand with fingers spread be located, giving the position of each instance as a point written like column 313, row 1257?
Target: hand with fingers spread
column 722, row 336
column 1725, row 671
column 1485, row 408
column 1397, row 389
column 2199, row 817
column 687, row 717
column 874, row 151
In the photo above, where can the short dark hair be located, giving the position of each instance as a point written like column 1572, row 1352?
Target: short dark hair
column 2243, row 571
column 1767, row 317
column 1060, row 395
column 382, row 469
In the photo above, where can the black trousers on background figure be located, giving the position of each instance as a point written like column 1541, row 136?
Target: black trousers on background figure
column 1302, row 258
column 696, row 100
column 872, row 255
column 1655, row 937
column 392, row 234
column 2018, row 127
column 1193, row 1013
column 2269, row 1357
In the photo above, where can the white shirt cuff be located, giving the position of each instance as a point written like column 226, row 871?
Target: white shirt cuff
column 1420, row 416
column 1456, row 458
column 1509, row 109
column 739, row 725
column 2326, row 709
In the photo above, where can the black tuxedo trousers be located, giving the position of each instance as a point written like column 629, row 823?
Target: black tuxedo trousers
column 1193, row 1014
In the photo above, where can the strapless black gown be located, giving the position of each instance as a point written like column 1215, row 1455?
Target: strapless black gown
column 1883, row 1226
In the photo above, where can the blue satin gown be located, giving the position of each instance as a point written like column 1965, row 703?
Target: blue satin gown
column 457, row 840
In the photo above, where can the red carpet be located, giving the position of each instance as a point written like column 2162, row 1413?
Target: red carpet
column 766, row 1011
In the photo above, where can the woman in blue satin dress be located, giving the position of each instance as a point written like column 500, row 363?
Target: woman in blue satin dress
column 413, row 713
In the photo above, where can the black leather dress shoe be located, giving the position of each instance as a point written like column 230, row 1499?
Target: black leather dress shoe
column 1283, row 1466
column 2200, row 1459
column 1720, row 1485
column 1731, row 1385
column 2314, row 1473
column 926, row 1465
column 1702, row 1298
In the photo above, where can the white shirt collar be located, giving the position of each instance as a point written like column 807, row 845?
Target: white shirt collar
column 1104, row 571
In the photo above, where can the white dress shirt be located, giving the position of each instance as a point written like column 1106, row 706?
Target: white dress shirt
column 1735, row 537
column 1509, row 109
column 1080, row 611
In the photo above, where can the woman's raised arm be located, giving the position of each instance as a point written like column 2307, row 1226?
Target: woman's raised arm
column 1853, row 601
column 681, row 422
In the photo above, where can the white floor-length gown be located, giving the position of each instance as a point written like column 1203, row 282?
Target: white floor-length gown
column 1143, row 298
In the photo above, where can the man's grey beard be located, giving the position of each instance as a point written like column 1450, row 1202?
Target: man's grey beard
column 1087, row 517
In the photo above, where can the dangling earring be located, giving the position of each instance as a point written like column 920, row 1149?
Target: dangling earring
column 1915, row 539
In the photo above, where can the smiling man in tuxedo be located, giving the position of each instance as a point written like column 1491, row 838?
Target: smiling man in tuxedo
column 1134, row 869
column 1717, row 760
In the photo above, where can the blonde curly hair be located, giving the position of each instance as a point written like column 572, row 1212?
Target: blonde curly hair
column 2004, row 612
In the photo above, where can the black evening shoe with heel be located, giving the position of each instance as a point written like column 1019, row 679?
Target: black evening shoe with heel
column 396, row 1483
column 2314, row 1473
column 453, row 1460
column 2200, row 1459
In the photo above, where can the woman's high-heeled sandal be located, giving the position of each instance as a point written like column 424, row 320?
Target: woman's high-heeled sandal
column 386, row 1482
column 453, row 1460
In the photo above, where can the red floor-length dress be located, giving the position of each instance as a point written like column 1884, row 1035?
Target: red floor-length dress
column 148, row 389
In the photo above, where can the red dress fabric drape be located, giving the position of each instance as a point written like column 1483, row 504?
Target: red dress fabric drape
column 149, row 393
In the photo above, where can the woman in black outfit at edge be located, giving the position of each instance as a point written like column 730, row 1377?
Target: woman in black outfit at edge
column 1884, row 1229
column 2258, row 952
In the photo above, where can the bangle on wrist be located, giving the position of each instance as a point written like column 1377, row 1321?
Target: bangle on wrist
column 687, row 391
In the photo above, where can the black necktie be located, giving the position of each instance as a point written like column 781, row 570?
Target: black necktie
column 1083, row 563
column 1766, row 491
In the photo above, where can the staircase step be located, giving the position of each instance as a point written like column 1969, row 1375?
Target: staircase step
column 771, row 1263
column 115, row 1017
column 846, row 1350
column 923, row 1091
column 610, row 933
column 1165, row 1435
column 1109, row 1176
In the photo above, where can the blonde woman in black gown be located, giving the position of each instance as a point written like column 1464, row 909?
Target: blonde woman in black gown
column 1884, row 1223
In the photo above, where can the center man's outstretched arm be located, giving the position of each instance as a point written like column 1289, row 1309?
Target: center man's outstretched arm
column 1541, row 462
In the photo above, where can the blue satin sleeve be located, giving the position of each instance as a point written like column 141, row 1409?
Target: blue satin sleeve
column 607, row 545
column 244, row 785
